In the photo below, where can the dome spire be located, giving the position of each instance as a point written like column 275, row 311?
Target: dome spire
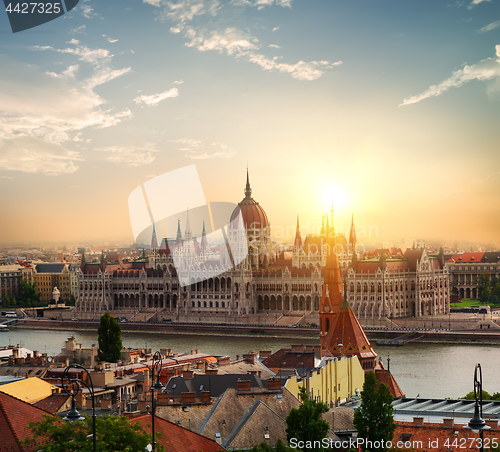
column 248, row 190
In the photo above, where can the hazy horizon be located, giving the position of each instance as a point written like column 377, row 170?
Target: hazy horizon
column 388, row 109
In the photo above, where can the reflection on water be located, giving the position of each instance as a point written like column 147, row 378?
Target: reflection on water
column 431, row 370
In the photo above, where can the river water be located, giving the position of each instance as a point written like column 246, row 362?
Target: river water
column 428, row 370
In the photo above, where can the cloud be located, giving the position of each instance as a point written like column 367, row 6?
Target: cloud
column 274, row 46
column 92, row 56
column 488, row 69
column 233, row 43
column 155, row 99
column 130, row 155
column 79, row 30
column 6, row 177
column 196, row 150
column 53, row 107
column 88, row 11
column 276, row 28
column 476, row 2
column 73, row 41
column 489, row 27
column 179, row 82
column 32, row 155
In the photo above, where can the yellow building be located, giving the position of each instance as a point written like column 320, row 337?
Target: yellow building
column 48, row 276
column 333, row 382
column 29, row 390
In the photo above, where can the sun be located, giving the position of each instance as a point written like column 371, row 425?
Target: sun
column 334, row 195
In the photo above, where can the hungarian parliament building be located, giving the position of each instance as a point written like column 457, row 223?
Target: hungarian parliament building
column 246, row 274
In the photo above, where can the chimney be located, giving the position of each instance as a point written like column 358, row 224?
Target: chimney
column 223, row 360
column 265, row 353
column 418, row 421
column 200, row 364
column 448, row 422
column 243, row 385
column 492, row 423
column 250, row 357
column 188, row 374
column 147, row 380
column 188, row 397
column 15, row 353
column 35, row 354
column 205, row 396
column 211, row 371
column 273, row 385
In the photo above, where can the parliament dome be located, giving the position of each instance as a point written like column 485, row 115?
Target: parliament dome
column 254, row 216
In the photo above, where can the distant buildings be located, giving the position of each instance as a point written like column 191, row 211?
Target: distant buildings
column 465, row 268
column 399, row 285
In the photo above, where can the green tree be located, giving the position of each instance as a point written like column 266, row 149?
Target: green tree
column 110, row 341
column 114, row 433
column 305, row 423
column 6, row 301
column 483, row 286
column 13, row 302
column 29, row 292
column 374, row 419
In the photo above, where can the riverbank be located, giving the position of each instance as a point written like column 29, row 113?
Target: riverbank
column 476, row 337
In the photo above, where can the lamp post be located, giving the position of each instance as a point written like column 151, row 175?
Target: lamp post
column 477, row 423
column 155, row 386
column 73, row 414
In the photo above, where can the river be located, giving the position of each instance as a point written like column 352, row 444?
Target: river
column 425, row 369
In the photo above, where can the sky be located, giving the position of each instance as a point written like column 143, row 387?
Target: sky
column 390, row 109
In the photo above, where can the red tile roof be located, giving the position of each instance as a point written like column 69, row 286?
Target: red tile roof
column 467, row 257
column 14, row 417
column 438, row 438
column 176, row 438
column 53, row 403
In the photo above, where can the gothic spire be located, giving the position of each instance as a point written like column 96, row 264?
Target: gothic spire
column 248, row 190
column 178, row 240
column 298, row 238
column 352, row 235
column 204, row 244
column 187, row 232
column 323, row 225
column 154, row 242
column 381, row 261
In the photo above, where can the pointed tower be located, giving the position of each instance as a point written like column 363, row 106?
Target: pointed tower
column 323, row 232
column 83, row 263
column 331, row 295
column 346, row 337
column 298, row 238
column 154, row 243
column 187, row 232
column 178, row 240
column 102, row 266
column 352, row 237
column 382, row 260
column 204, row 243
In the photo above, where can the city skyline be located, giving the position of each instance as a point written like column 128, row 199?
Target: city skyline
column 386, row 109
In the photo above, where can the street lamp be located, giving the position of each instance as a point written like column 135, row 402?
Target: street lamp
column 73, row 414
column 477, row 423
column 156, row 386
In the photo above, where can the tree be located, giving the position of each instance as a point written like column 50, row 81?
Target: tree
column 304, row 424
column 114, row 433
column 374, row 419
column 483, row 286
column 110, row 341
column 29, row 292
